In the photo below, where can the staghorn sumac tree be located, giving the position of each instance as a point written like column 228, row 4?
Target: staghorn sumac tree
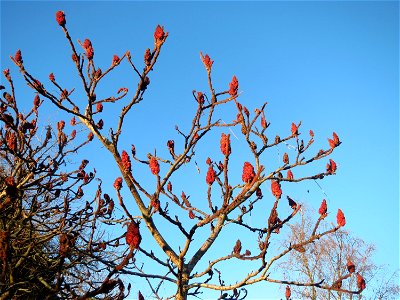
column 184, row 255
column 52, row 243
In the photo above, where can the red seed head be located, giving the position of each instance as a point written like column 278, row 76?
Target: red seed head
column 238, row 247
column 60, row 17
column 6, row 73
column 159, row 33
column 207, row 61
column 169, row 187
column 10, row 182
column 331, row 167
column 331, row 143
column 171, row 145
column 60, row 125
column 126, row 161
column 18, row 57
column 200, row 98
column 333, row 164
column 360, row 282
column 276, row 189
column 225, row 144
column 74, row 57
column 155, row 203
column 147, row 57
column 341, row 220
column 263, row 122
column 99, row 107
column 115, row 59
column 233, row 86
column 295, row 129
column 36, row 101
column 323, row 208
column 288, row 293
column 87, row 44
column 210, row 178
column 89, row 53
column 133, row 237
column 350, row 266
column 118, row 183
column 336, row 139
column 11, row 140
column 285, row 158
column 248, row 172
column 154, row 166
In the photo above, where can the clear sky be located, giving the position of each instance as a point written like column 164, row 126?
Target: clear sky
column 332, row 65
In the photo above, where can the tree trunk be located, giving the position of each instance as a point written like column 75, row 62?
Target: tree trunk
column 314, row 293
column 182, row 287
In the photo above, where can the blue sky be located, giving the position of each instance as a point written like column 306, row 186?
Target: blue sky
column 332, row 65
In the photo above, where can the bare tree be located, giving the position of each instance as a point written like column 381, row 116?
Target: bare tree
column 331, row 259
column 194, row 225
column 385, row 285
column 52, row 243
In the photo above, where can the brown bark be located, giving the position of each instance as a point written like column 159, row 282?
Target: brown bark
column 182, row 292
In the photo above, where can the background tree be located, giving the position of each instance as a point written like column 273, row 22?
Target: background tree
column 229, row 199
column 384, row 284
column 52, row 243
column 330, row 259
